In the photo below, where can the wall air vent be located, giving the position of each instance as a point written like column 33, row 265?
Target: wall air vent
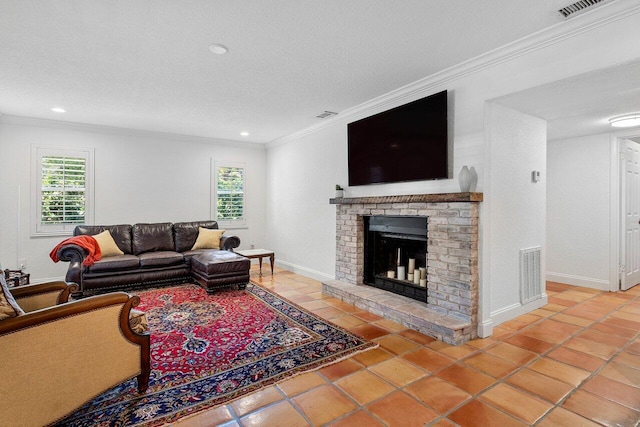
column 579, row 6
column 326, row 114
column 530, row 275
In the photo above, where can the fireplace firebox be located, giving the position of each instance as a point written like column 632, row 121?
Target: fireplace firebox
column 395, row 248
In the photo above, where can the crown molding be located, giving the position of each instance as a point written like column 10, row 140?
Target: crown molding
column 604, row 15
column 83, row 127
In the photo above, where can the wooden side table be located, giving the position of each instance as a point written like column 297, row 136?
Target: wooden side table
column 259, row 253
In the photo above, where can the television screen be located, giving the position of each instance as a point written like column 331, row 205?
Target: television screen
column 406, row 143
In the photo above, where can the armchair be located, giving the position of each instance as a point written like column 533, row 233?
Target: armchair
column 59, row 354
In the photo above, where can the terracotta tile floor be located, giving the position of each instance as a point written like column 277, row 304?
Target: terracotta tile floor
column 574, row 362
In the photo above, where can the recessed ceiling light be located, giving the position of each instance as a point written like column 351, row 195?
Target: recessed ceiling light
column 58, row 110
column 625, row 121
column 245, row 133
column 218, row 49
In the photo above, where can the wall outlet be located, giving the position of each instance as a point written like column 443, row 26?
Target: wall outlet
column 22, row 264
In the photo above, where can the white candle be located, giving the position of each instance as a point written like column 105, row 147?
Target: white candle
column 401, row 271
column 416, row 277
column 398, row 262
column 412, row 265
column 423, row 273
column 391, row 274
column 423, row 283
column 410, row 277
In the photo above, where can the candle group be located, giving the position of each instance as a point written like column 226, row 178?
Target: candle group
column 416, row 275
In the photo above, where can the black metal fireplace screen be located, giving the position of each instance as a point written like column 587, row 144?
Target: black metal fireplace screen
column 395, row 254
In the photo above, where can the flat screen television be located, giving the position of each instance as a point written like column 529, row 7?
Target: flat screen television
column 406, row 143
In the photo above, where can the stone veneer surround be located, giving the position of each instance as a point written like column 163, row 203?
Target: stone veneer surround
column 451, row 313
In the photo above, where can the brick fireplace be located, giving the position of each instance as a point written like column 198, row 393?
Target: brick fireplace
column 451, row 311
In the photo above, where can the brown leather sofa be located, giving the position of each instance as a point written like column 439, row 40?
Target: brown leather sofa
column 153, row 254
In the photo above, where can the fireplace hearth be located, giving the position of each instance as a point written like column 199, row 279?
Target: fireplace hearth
column 395, row 248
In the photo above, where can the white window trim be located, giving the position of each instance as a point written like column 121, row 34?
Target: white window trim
column 229, row 224
column 37, row 151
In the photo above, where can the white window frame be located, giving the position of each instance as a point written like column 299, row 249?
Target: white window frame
column 37, row 153
column 226, row 223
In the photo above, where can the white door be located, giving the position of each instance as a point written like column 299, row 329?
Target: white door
column 631, row 214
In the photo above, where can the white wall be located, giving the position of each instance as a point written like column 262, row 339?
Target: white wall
column 578, row 211
column 302, row 178
column 306, row 239
column 139, row 177
column 514, row 209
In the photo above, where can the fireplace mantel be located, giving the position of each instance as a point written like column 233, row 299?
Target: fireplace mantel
column 410, row 198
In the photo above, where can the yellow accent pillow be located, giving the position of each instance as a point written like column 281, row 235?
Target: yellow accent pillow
column 207, row 239
column 107, row 245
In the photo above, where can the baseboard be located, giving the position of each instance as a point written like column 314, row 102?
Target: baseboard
column 485, row 328
column 586, row 282
column 304, row 271
column 514, row 310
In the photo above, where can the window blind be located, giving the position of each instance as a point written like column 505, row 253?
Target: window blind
column 230, row 193
column 63, row 190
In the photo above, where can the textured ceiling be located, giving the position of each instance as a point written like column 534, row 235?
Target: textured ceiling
column 146, row 64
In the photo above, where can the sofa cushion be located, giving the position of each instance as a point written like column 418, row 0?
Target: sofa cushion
column 160, row 259
column 114, row 263
column 186, row 233
column 8, row 306
column 207, row 239
column 107, row 245
column 152, row 237
column 121, row 234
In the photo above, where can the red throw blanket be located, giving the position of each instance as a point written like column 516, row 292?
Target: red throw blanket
column 85, row 242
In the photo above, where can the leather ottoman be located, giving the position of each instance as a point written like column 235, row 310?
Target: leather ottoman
column 214, row 270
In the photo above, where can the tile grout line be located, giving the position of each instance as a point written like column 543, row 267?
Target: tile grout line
column 529, row 363
column 461, row 360
column 606, row 362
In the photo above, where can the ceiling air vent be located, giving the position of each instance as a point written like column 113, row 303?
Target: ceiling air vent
column 326, row 114
column 579, row 6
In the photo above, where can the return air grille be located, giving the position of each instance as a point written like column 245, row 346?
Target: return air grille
column 530, row 281
column 578, row 6
column 326, row 114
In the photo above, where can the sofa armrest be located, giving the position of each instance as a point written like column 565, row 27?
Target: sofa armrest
column 229, row 242
column 75, row 255
column 42, row 295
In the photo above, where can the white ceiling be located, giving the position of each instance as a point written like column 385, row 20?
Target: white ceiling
column 581, row 105
column 146, row 64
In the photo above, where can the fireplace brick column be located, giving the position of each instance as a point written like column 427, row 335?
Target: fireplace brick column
column 452, row 259
column 350, row 243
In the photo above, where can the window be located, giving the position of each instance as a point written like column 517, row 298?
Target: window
column 63, row 190
column 229, row 188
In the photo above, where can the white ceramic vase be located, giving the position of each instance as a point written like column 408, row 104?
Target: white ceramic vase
column 339, row 194
column 464, row 179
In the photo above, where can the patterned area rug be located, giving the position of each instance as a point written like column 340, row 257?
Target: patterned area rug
column 210, row 349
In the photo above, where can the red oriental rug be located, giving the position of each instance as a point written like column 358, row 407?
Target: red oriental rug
column 209, row 349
